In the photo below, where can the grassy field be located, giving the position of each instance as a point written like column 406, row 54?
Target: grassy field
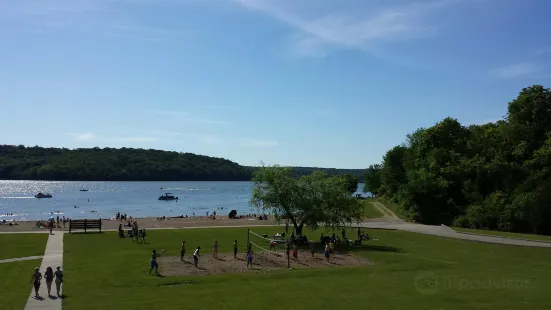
column 409, row 271
column 503, row 234
column 21, row 245
column 15, row 287
column 370, row 211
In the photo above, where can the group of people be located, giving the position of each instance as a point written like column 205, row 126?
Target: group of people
column 135, row 233
column 122, row 217
column 49, row 276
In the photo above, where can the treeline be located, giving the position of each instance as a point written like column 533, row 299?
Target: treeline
column 126, row 164
column 493, row 176
column 302, row 171
column 109, row 164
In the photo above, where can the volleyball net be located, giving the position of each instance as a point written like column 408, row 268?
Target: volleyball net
column 275, row 245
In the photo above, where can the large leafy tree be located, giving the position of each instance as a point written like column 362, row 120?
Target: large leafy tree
column 372, row 180
column 310, row 200
column 350, row 182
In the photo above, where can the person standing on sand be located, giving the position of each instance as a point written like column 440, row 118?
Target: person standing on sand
column 312, row 248
column 235, row 249
column 58, row 280
column 196, row 256
column 295, row 252
column 36, row 278
column 215, row 249
column 183, row 251
column 49, row 276
column 326, row 252
column 250, row 257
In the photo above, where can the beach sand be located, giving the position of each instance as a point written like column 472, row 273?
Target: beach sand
column 149, row 223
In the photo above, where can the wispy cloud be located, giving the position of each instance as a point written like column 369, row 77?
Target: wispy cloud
column 543, row 51
column 247, row 142
column 135, row 139
column 91, row 17
column 86, row 136
column 357, row 26
column 516, row 70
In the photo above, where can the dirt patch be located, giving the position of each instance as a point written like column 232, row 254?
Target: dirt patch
column 172, row 266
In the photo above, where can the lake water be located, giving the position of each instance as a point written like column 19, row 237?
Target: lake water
column 137, row 199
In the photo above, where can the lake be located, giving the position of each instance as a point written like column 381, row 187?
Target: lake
column 137, row 199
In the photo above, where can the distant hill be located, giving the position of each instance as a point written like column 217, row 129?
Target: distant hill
column 109, row 164
column 126, row 164
column 300, row 171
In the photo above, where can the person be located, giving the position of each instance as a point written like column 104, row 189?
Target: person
column 58, row 280
column 312, row 248
column 343, row 232
column 250, row 257
column 121, row 232
column 49, row 276
column 295, row 252
column 183, row 251
column 235, row 249
column 196, row 256
column 154, row 263
column 331, row 246
column 215, row 249
column 143, row 235
column 326, row 252
column 36, row 278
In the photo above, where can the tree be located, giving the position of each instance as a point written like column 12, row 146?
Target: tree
column 350, row 181
column 372, row 180
column 310, row 200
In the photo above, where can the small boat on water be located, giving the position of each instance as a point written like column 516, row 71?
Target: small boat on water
column 42, row 195
column 168, row 196
column 83, row 190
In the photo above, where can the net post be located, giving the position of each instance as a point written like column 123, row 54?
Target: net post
column 248, row 237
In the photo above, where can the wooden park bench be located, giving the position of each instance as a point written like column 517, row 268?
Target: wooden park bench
column 84, row 224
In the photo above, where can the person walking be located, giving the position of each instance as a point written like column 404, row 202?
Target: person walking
column 58, row 280
column 49, row 276
column 35, row 279
column 250, row 257
column 196, row 256
column 154, row 264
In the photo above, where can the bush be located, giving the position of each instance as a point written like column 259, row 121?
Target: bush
column 233, row 214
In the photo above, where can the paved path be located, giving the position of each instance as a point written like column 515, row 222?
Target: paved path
column 53, row 257
column 444, row 231
column 9, row 260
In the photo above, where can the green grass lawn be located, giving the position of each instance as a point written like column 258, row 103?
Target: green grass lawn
column 15, row 287
column 370, row 211
column 503, row 234
column 410, row 271
column 21, row 245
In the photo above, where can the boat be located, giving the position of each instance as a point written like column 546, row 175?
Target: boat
column 168, row 196
column 42, row 195
column 83, row 190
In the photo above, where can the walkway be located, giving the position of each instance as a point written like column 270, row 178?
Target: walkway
column 9, row 260
column 53, row 257
column 444, row 231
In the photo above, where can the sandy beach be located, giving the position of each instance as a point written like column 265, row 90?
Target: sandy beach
column 152, row 223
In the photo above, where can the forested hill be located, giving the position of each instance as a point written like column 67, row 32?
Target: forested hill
column 125, row 164
column 109, row 164
column 300, row 171
column 490, row 176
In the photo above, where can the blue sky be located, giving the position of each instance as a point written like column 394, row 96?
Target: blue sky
column 308, row 83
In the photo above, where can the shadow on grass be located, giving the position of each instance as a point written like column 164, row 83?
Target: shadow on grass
column 159, row 275
column 374, row 248
column 177, row 283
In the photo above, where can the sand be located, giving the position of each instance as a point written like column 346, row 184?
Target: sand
column 149, row 223
column 262, row 262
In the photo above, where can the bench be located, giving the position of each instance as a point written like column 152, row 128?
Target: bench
column 84, row 224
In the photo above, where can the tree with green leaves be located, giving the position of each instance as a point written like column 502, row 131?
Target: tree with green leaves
column 350, row 181
column 372, row 180
column 310, row 200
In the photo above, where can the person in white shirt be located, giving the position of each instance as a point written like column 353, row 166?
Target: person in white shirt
column 196, row 256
